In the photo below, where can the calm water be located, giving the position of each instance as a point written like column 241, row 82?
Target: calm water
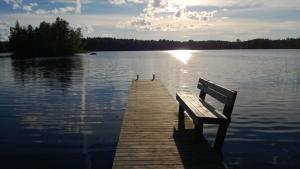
column 67, row 112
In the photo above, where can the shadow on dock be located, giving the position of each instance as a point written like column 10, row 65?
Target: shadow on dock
column 195, row 153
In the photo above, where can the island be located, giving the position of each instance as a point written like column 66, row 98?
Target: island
column 49, row 39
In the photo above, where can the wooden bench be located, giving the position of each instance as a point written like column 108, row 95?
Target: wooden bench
column 202, row 112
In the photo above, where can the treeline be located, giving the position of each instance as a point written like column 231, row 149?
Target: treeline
column 112, row 44
column 59, row 39
column 42, row 43
column 49, row 39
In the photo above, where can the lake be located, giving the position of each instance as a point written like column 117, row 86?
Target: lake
column 67, row 112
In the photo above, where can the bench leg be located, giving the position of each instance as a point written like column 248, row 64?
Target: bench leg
column 218, row 144
column 181, row 124
column 199, row 131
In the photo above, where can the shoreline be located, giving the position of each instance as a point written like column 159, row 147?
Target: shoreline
column 5, row 54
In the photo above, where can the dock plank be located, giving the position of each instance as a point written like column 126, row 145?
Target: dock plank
column 149, row 136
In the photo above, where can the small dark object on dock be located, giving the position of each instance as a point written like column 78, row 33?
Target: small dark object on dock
column 93, row 53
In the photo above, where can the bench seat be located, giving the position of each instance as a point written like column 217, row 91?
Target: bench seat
column 199, row 110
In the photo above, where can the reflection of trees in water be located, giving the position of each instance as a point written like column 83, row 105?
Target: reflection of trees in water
column 54, row 70
column 63, row 120
column 46, row 75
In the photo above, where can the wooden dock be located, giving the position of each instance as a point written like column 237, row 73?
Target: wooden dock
column 149, row 137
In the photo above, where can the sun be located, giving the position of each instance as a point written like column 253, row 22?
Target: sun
column 182, row 55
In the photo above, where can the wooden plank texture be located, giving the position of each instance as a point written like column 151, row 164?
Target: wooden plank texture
column 149, row 136
column 198, row 111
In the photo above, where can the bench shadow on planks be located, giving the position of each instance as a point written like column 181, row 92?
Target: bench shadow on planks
column 202, row 112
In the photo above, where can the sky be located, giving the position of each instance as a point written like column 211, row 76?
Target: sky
column 161, row 19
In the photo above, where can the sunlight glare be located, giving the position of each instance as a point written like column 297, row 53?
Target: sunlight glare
column 182, row 55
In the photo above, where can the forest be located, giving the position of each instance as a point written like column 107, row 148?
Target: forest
column 112, row 44
column 49, row 39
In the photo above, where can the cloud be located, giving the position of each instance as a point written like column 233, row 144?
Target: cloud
column 243, row 4
column 78, row 6
column 78, row 3
column 169, row 15
column 120, row 2
column 188, row 3
column 16, row 4
column 117, row 2
column 28, row 8
column 4, row 24
column 72, row 1
column 4, row 30
column 221, row 4
column 63, row 10
column 4, row 35
column 55, row 11
column 85, row 29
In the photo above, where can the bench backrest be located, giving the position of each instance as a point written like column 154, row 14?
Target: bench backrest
column 225, row 96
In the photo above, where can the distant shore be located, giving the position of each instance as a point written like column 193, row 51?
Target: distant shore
column 113, row 44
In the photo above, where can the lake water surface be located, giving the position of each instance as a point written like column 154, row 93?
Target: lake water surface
column 67, row 112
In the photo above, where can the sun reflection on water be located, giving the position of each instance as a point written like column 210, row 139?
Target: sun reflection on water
column 182, row 55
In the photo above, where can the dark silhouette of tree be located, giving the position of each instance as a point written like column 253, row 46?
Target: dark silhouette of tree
column 49, row 39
